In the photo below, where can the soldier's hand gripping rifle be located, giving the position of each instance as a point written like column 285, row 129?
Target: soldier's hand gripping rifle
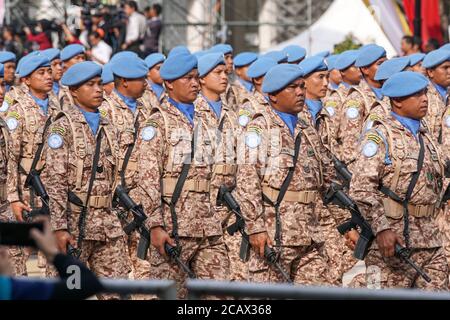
column 174, row 255
column 34, row 182
column 366, row 235
column 138, row 223
column 225, row 197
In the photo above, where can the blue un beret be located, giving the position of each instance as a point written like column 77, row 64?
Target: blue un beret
column 71, row 51
column 280, row 77
column 391, row 67
column 435, row 58
column 415, row 58
column 129, row 68
column 80, row 73
column 369, row 54
column 7, row 56
column 223, row 48
column 346, row 59
column 32, row 53
column 153, row 59
column 177, row 50
column 208, row 62
column 107, row 74
column 446, row 46
column 177, row 66
column 2, row 70
column 294, row 53
column 404, row 84
column 51, row 53
column 244, row 58
column 313, row 64
column 260, row 67
column 124, row 54
column 201, row 53
column 278, row 56
column 323, row 54
column 331, row 60
column 31, row 63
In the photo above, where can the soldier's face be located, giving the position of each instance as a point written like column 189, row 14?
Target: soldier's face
column 415, row 106
column 40, row 80
column 351, row 75
column 2, row 90
column 185, row 89
column 317, row 85
column 291, row 99
column 57, row 69
column 335, row 76
column 108, row 88
column 74, row 60
column 135, row 87
column 89, row 95
column 154, row 75
column 229, row 62
column 216, row 80
column 441, row 74
column 242, row 73
column 419, row 69
column 370, row 71
column 9, row 71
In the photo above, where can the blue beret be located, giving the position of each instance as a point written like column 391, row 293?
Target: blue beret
column 391, row 67
column 346, row 59
column 331, row 60
column 404, row 84
column 244, row 58
column 122, row 54
column 177, row 66
column 80, row 73
column 294, row 53
column 278, row 56
column 323, row 54
column 31, row 63
column 445, row 46
column 51, row 53
column 222, row 48
column 435, row 58
column 177, row 50
column 2, row 70
column 415, row 58
column 260, row 67
column 107, row 74
column 313, row 64
column 208, row 62
column 6, row 56
column 369, row 54
column 153, row 59
column 280, row 77
column 71, row 51
column 127, row 68
column 201, row 53
column 32, row 53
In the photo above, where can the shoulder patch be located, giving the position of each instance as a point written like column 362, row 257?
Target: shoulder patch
column 13, row 114
column 447, row 121
column 352, row 103
column 103, row 112
column 55, row 141
column 152, row 123
column 12, row 123
column 252, row 139
column 5, row 106
column 255, row 129
column 370, row 149
column 58, row 130
column 9, row 100
column 352, row 112
column 148, row 133
column 374, row 137
column 244, row 117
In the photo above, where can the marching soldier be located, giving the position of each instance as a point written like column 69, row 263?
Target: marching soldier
column 242, row 86
column 295, row 54
column 107, row 79
column 70, row 55
column 335, row 77
column 81, row 157
column 415, row 62
column 155, row 91
column 397, row 187
column 8, row 59
column 53, row 55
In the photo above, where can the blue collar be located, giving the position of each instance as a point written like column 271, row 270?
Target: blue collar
column 442, row 91
column 56, row 87
column 346, row 85
column 43, row 104
column 333, row 85
column 412, row 125
column 130, row 102
column 93, row 119
column 186, row 109
column 216, row 106
column 157, row 88
column 289, row 119
column 7, row 87
column 378, row 93
column 248, row 85
column 314, row 107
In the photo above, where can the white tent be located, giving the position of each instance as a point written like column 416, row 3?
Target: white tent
column 342, row 18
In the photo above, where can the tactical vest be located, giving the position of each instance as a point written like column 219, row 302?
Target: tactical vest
column 4, row 146
column 364, row 96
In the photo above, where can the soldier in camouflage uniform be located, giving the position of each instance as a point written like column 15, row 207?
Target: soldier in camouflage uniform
column 274, row 140
column 70, row 151
column 8, row 59
column 165, row 147
column 70, row 55
column 401, row 165
column 242, row 85
column 53, row 56
column 155, row 92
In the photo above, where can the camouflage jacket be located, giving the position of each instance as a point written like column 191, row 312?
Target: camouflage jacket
column 436, row 110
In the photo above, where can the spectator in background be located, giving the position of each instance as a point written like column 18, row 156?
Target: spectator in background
column 40, row 38
column 100, row 51
column 10, row 42
column 135, row 30
column 154, row 26
column 411, row 45
column 432, row 44
column 69, row 36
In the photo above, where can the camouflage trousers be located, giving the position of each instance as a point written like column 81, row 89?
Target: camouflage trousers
column 306, row 265
column 207, row 258
column 393, row 273
column 238, row 268
column 443, row 222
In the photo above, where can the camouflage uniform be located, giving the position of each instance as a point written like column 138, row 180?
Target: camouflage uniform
column 251, row 105
column 224, row 173
column 123, row 119
column 65, row 98
column 436, row 110
column 68, row 168
column 389, row 157
column 239, row 92
column 265, row 168
column 163, row 144
column 150, row 99
column 11, row 98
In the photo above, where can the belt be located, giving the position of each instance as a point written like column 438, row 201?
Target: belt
column 225, row 169
column 96, row 202
column 200, row 186
column 305, row 197
column 394, row 210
